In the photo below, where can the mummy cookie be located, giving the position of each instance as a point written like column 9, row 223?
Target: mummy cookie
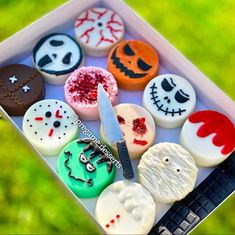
column 81, row 90
column 209, row 136
column 170, row 99
column 49, row 126
column 133, row 63
column 56, row 55
column 98, row 30
column 20, row 87
column 85, row 168
column 138, row 129
column 126, row 207
column 168, row 172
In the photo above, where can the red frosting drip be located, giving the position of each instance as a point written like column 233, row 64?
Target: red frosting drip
column 139, row 126
column 140, row 142
column 121, row 120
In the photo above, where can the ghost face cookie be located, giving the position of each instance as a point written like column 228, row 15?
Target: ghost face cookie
column 133, row 63
column 85, row 168
column 168, row 172
column 209, row 136
column 56, row 55
column 170, row 99
column 98, row 30
column 126, row 207
column 20, row 87
column 49, row 125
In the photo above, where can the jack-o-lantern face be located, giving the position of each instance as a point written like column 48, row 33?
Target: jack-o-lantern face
column 133, row 63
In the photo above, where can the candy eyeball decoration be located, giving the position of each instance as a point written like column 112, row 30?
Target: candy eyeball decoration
column 56, row 55
column 209, row 136
column 49, row 125
column 170, row 99
column 98, row 30
column 126, row 207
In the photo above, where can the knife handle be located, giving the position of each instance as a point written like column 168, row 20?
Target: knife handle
column 128, row 172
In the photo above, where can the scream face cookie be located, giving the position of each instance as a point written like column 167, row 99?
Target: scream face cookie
column 170, row 99
column 98, row 30
column 133, row 63
column 20, row 87
column 209, row 136
column 125, row 207
column 56, row 56
column 85, row 168
column 49, row 125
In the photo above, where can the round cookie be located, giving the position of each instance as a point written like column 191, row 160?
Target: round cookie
column 126, row 207
column 209, row 136
column 81, row 90
column 85, row 168
column 170, row 99
column 133, row 63
column 50, row 125
column 20, row 87
column 98, row 30
column 56, row 55
column 168, row 172
column 138, row 129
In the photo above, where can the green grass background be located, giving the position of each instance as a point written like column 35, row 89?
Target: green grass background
column 31, row 201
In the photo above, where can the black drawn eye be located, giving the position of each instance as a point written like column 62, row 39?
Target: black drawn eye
column 128, row 50
column 178, row 170
column 48, row 114
column 45, row 60
column 181, row 97
column 166, row 160
column 67, row 58
column 83, row 159
column 56, row 43
column 166, row 85
column 90, row 167
column 142, row 65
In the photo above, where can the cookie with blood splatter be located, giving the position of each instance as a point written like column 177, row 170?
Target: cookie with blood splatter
column 209, row 136
column 98, row 30
column 50, row 125
column 81, row 90
column 138, row 129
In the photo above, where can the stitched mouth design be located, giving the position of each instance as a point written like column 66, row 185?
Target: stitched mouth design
column 160, row 107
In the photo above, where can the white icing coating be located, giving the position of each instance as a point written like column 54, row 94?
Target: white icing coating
column 134, row 205
column 40, row 128
column 170, row 99
column 168, row 172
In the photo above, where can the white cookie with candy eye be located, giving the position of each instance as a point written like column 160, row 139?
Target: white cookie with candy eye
column 170, row 99
column 50, row 125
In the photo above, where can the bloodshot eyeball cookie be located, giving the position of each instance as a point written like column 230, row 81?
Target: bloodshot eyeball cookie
column 49, row 125
column 209, row 136
column 170, row 99
column 98, row 30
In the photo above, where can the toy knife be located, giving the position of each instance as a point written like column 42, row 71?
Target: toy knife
column 113, row 131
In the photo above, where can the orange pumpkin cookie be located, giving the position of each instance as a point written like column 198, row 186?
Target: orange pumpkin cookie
column 133, row 63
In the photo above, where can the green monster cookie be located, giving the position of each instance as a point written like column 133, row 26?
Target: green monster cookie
column 85, row 168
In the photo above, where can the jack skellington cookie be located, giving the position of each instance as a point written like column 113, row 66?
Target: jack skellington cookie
column 85, row 168
column 50, row 125
column 98, row 30
column 56, row 55
column 170, row 99
column 20, row 87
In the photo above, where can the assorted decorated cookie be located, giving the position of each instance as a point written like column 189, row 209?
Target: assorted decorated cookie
column 81, row 90
column 133, row 63
column 56, row 55
column 138, row 129
column 170, row 99
column 126, row 207
column 98, row 30
column 49, row 125
column 85, row 168
column 168, row 172
column 209, row 136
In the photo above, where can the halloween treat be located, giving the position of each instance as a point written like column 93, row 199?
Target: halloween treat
column 170, row 99
column 56, row 55
column 49, row 126
column 81, row 90
column 98, row 30
column 20, row 87
column 209, row 136
column 125, row 207
column 133, row 63
column 138, row 129
column 168, row 172
column 85, row 167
